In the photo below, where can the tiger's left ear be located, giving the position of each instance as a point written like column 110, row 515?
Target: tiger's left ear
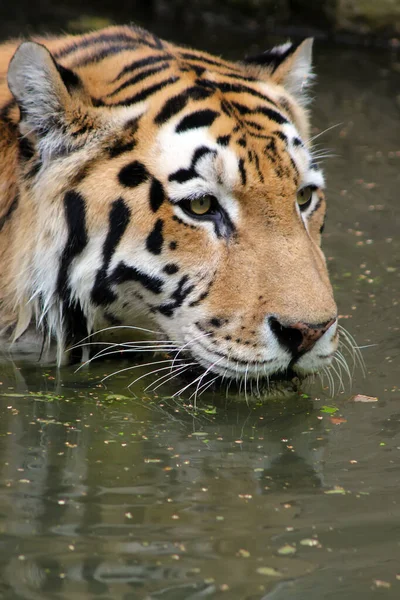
column 47, row 95
column 289, row 65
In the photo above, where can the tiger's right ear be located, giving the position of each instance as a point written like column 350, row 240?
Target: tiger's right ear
column 42, row 89
column 289, row 65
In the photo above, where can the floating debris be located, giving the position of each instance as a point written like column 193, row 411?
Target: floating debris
column 363, row 398
column 336, row 490
column 269, row 572
column 309, row 542
column 287, row 550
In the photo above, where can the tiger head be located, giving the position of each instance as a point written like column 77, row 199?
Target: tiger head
column 169, row 189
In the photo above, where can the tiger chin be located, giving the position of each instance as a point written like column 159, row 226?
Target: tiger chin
column 151, row 190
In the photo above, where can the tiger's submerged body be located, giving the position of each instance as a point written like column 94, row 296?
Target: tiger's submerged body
column 143, row 184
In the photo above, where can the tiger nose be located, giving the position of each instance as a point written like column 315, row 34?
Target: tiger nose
column 299, row 337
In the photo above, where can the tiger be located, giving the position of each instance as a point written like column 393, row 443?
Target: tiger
column 149, row 186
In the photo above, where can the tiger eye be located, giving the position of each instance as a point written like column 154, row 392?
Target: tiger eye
column 304, row 196
column 201, row 206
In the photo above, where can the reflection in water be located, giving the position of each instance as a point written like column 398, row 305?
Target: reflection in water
column 111, row 496
column 125, row 492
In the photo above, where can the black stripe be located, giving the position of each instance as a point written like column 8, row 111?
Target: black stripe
column 155, row 239
column 253, row 124
column 296, row 170
column 70, row 79
column 93, row 41
column 183, row 175
column 226, row 87
column 178, row 297
column 223, row 140
column 139, row 64
column 157, row 195
column 239, row 77
column 123, row 273
column 242, row 108
column 133, row 174
column 200, row 118
column 26, row 149
column 175, row 104
column 200, row 299
column 140, row 96
column 270, row 148
column 102, row 54
column 242, row 171
column 75, row 217
column 8, row 214
column 139, row 77
column 272, row 58
column 226, row 107
column 118, row 221
column 257, row 162
column 127, row 142
column 119, row 148
column 158, row 43
column 280, row 135
column 199, row 153
column 271, row 114
column 208, row 61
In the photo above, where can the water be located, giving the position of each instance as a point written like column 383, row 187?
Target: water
column 112, row 494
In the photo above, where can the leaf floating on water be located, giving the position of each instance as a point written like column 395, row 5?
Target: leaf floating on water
column 382, row 584
column 329, row 410
column 309, row 542
column 209, row 410
column 337, row 420
column 363, row 398
column 336, row 490
column 287, row 550
column 269, row 571
column 36, row 395
column 111, row 397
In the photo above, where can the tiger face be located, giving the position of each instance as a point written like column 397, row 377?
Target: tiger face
column 171, row 190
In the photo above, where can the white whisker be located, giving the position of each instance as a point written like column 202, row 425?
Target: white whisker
column 117, row 350
column 245, row 384
column 202, row 377
column 324, row 131
column 191, row 342
column 159, row 362
column 354, row 348
column 339, row 376
column 207, row 385
column 155, row 371
column 113, row 327
column 178, row 371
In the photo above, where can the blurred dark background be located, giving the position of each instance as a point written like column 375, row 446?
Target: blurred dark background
column 366, row 22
